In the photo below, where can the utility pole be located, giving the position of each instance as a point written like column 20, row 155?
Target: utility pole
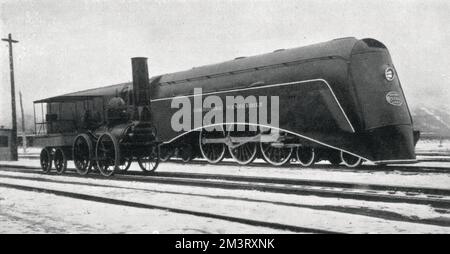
column 24, row 136
column 14, row 154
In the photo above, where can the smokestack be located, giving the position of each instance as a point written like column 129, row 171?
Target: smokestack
column 141, row 86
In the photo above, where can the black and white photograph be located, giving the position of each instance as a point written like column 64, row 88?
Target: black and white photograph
column 245, row 120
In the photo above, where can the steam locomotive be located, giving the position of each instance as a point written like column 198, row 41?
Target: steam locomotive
column 339, row 101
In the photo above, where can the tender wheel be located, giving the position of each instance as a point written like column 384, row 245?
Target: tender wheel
column 165, row 153
column 276, row 156
column 212, row 152
column 150, row 163
column 186, row 153
column 46, row 160
column 350, row 161
column 125, row 165
column 306, row 156
column 60, row 161
column 107, row 153
column 82, row 154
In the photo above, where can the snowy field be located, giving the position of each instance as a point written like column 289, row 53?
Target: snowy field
column 32, row 212
column 433, row 145
column 29, row 212
column 302, row 211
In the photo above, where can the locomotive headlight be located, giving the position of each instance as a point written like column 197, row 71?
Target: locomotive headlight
column 389, row 74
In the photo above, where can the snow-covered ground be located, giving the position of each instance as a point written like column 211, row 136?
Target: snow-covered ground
column 302, row 211
column 30, row 212
column 433, row 145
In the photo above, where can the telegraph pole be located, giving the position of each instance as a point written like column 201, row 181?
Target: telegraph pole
column 14, row 154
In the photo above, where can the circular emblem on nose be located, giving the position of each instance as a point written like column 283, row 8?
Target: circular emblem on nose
column 389, row 74
column 394, row 98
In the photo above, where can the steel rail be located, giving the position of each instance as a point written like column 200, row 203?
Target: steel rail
column 354, row 191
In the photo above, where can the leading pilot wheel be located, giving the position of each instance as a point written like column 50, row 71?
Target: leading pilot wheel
column 350, row 160
column 46, row 160
column 107, row 153
column 276, row 156
column 60, row 161
column 306, row 156
column 82, row 154
column 213, row 152
column 150, row 163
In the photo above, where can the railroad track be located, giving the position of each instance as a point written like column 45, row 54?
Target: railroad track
column 423, row 153
column 120, row 202
column 371, row 168
column 387, row 215
column 439, row 198
column 363, row 168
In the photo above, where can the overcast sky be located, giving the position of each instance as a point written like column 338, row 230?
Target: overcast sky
column 72, row 45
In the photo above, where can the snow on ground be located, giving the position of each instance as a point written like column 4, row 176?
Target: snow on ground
column 433, row 145
column 30, row 150
column 30, row 212
column 304, row 211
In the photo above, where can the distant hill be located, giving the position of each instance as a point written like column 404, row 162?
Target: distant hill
column 432, row 121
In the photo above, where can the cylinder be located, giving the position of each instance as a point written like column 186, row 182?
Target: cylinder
column 141, row 86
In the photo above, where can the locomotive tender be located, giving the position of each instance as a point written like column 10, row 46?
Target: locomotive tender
column 339, row 101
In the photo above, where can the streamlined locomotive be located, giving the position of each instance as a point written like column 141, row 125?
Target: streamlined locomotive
column 339, row 101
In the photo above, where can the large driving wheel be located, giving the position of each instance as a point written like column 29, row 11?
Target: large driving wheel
column 276, row 156
column 212, row 152
column 46, row 160
column 245, row 153
column 150, row 163
column 350, row 160
column 107, row 153
column 83, row 154
column 306, row 156
column 60, row 161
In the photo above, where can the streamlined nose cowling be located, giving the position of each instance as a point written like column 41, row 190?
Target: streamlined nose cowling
column 386, row 120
